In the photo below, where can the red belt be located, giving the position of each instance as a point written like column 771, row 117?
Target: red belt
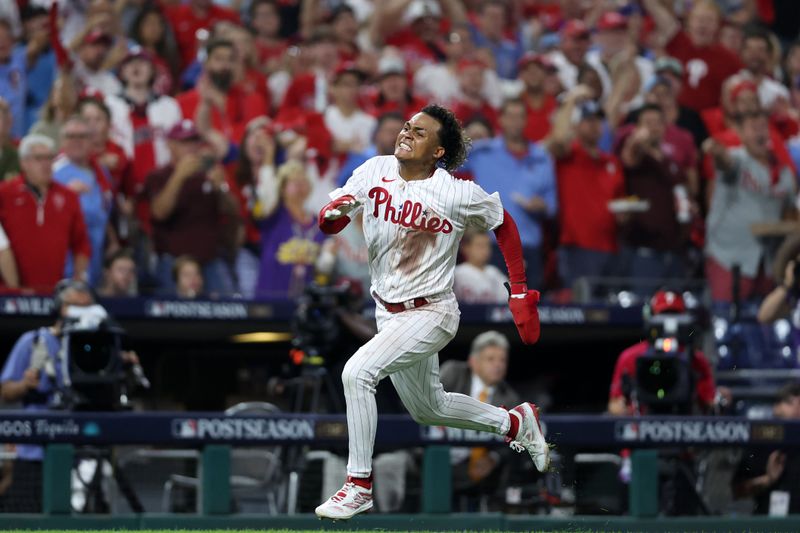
column 402, row 306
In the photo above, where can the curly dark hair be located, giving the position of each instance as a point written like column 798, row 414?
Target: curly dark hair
column 451, row 135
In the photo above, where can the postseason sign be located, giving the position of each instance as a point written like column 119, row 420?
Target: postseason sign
column 684, row 432
column 195, row 429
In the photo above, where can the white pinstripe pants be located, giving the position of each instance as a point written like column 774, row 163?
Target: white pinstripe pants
column 406, row 348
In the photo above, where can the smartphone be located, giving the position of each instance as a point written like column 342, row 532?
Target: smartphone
column 207, row 162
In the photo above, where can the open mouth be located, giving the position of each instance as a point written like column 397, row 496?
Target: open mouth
column 404, row 146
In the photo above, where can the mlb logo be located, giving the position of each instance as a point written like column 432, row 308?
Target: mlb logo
column 156, row 309
column 433, row 432
column 627, row 431
column 185, row 429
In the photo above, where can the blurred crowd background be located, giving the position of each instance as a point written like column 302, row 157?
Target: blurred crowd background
column 184, row 148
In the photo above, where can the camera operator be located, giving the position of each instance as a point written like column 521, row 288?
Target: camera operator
column 622, row 398
column 666, row 375
column 783, row 300
column 33, row 377
column 772, row 477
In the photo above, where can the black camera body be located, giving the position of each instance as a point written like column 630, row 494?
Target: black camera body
column 315, row 324
column 94, row 372
column 664, row 379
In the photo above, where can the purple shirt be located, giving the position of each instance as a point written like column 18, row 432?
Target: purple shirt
column 289, row 250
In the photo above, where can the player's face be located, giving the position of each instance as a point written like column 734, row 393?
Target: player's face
column 419, row 140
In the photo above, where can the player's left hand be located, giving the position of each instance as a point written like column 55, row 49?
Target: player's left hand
column 523, row 305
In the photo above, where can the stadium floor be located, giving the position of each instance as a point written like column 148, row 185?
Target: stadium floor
column 391, row 523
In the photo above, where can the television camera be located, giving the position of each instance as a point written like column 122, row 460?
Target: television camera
column 96, row 376
column 664, row 382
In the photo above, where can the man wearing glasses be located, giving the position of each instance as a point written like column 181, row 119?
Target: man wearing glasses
column 91, row 182
column 42, row 219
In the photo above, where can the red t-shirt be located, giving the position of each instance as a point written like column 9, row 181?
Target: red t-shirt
column 377, row 107
column 267, row 53
column 585, row 186
column 241, row 106
column 301, row 93
column 466, row 112
column 626, row 365
column 41, row 232
column 539, row 124
column 705, row 69
column 414, row 49
column 185, row 24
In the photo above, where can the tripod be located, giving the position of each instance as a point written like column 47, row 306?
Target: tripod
column 96, row 501
column 318, row 379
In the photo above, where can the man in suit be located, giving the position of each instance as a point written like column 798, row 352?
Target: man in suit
column 478, row 471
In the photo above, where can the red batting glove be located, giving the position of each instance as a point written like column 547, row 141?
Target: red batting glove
column 333, row 217
column 522, row 303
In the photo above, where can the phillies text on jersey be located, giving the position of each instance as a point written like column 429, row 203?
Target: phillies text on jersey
column 413, row 228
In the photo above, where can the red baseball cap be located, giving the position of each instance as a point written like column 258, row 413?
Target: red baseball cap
column 137, row 52
column 469, row 62
column 98, row 37
column 612, row 20
column 742, row 86
column 667, row 302
column 532, row 58
column 576, row 29
column 185, row 130
column 348, row 67
column 91, row 93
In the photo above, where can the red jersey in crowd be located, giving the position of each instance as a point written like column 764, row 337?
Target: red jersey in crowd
column 378, row 106
column 241, row 106
column 42, row 231
column 705, row 69
column 416, row 51
column 267, row 53
column 585, row 186
column 185, row 23
column 304, row 91
column 705, row 389
column 539, row 123
column 466, row 112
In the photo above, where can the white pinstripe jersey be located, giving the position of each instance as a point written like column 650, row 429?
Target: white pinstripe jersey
column 413, row 228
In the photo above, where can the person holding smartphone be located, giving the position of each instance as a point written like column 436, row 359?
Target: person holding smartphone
column 192, row 209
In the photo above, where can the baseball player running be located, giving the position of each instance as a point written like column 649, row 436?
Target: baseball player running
column 415, row 213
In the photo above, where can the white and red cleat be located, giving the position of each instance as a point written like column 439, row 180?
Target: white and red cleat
column 529, row 435
column 351, row 500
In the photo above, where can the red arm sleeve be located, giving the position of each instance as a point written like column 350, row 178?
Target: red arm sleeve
column 511, row 247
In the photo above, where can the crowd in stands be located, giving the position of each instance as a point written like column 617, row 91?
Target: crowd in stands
column 185, row 147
